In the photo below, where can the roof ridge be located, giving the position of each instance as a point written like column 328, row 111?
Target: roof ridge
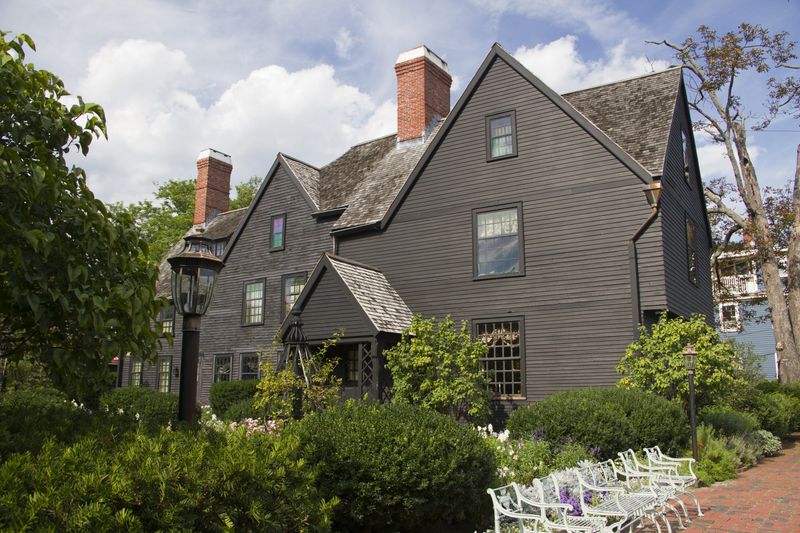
column 356, row 145
column 351, row 262
column 296, row 160
column 624, row 80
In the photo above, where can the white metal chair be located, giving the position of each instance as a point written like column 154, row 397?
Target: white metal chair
column 657, row 478
column 655, row 457
column 555, row 516
column 507, row 510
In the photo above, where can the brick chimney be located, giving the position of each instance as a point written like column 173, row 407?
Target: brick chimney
column 423, row 92
column 212, row 192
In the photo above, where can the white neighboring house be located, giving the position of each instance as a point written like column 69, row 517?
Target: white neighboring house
column 741, row 310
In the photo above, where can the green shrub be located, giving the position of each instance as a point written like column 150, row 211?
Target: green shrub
column 610, row 419
column 29, row 417
column 522, row 460
column 773, row 411
column 155, row 409
column 729, row 421
column 175, row 480
column 747, row 451
column 769, row 444
column 396, row 467
column 654, row 362
column 225, row 393
column 776, row 386
column 241, row 409
column 716, row 462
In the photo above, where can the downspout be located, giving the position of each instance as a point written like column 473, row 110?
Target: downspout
column 653, row 194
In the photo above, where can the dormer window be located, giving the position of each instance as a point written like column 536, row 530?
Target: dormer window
column 501, row 135
column 277, row 234
column 166, row 317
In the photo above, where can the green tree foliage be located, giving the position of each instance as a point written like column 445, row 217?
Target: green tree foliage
column 655, row 362
column 73, row 286
column 437, row 366
column 245, row 192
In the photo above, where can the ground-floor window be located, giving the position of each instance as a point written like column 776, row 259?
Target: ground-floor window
column 163, row 375
column 249, row 368
column 136, row 374
column 222, row 368
column 503, row 363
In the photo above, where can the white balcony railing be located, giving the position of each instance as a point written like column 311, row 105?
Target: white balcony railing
column 739, row 285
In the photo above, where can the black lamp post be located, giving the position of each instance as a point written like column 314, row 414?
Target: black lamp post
column 690, row 360
column 194, row 272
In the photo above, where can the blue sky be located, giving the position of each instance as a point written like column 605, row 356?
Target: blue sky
column 310, row 78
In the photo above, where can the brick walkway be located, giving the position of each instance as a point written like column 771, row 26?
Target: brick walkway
column 765, row 498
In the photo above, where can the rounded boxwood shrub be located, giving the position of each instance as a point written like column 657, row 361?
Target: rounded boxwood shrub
column 728, row 421
column 155, row 409
column 225, row 393
column 241, row 409
column 29, row 417
column 397, row 467
column 171, row 481
column 607, row 419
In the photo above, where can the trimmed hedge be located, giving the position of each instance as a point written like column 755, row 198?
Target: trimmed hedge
column 729, row 421
column 29, row 417
column 155, row 409
column 609, row 419
column 242, row 409
column 173, row 481
column 397, row 467
column 225, row 393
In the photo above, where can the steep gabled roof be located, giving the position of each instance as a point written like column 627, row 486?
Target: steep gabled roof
column 220, row 227
column 306, row 175
column 635, row 113
column 368, row 289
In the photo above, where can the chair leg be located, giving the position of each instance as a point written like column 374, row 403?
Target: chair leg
column 683, row 508
column 696, row 502
column 677, row 515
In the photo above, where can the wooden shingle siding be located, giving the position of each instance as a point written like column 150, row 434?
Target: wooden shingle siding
column 250, row 258
column 680, row 200
column 580, row 207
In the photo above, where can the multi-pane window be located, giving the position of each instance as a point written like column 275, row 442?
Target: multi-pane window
column 351, row 365
column 166, row 317
column 292, row 287
column 729, row 317
column 249, row 368
column 503, row 360
column 136, row 374
column 691, row 252
column 222, row 368
column 500, row 136
column 277, row 234
column 253, row 308
column 497, row 242
column 163, row 375
column 218, row 247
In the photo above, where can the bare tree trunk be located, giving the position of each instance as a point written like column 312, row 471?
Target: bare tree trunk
column 793, row 263
column 782, row 321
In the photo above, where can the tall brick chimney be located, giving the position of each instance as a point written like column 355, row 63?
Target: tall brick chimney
column 423, row 92
column 212, row 193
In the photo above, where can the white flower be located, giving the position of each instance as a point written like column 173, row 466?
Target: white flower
column 503, row 436
column 120, row 411
column 137, row 417
column 489, row 428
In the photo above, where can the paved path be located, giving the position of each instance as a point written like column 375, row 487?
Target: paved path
column 765, row 498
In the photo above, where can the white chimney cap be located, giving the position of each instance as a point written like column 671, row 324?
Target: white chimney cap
column 422, row 51
column 210, row 153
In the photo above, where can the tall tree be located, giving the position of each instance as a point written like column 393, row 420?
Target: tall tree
column 74, row 288
column 715, row 63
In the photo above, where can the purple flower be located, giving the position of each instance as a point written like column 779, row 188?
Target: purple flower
column 564, row 497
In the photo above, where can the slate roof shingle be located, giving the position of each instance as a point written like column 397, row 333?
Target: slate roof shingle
column 381, row 303
column 635, row 113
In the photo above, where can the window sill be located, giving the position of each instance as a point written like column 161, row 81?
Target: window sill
column 509, row 398
column 253, row 324
column 501, row 157
column 498, row 276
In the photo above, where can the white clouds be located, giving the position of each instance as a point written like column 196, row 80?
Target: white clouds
column 596, row 17
column 713, row 158
column 561, row 66
column 344, row 42
column 157, row 127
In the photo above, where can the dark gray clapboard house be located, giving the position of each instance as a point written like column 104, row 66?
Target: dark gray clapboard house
column 520, row 211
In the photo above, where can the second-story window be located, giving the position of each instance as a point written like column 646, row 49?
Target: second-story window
column 166, row 317
column 277, row 234
column 729, row 317
column 501, row 135
column 691, row 252
column 136, row 374
column 498, row 242
column 253, row 306
column 292, row 287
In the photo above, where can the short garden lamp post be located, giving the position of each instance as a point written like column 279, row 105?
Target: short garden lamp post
column 194, row 272
column 690, row 360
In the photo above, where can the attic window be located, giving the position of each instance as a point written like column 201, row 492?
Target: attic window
column 277, row 234
column 685, row 146
column 501, row 135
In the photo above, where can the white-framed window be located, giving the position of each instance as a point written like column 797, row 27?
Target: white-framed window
column 291, row 287
column 729, row 320
column 164, row 367
column 136, row 374
column 253, row 303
